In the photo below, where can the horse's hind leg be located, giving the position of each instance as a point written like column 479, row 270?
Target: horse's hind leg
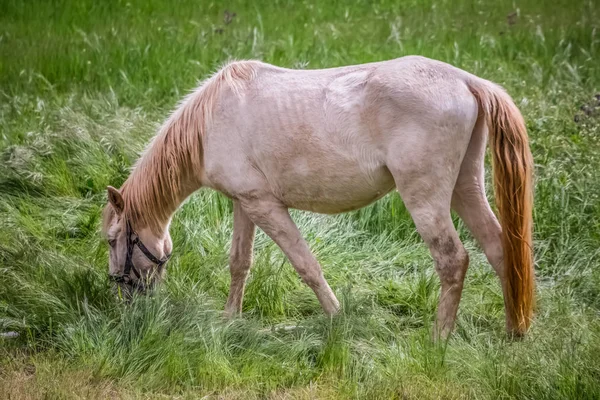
column 274, row 219
column 451, row 259
column 429, row 206
column 425, row 179
column 471, row 204
column 240, row 258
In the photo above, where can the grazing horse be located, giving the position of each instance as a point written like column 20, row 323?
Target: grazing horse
column 330, row 141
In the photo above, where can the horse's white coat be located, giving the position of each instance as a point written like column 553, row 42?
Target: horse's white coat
column 331, row 140
column 335, row 140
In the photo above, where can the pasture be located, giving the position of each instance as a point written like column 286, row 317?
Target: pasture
column 85, row 84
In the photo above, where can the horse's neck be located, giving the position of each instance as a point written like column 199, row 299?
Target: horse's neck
column 171, row 168
column 170, row 205
column 158, row 186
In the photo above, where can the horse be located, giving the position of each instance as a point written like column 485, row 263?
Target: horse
column 330, row 141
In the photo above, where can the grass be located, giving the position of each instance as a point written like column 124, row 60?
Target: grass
column 84, row 85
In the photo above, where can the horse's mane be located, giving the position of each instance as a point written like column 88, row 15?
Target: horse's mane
column 174, row 157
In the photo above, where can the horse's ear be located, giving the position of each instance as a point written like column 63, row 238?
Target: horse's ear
column 115, row 198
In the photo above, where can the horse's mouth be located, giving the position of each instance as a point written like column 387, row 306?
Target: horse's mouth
column 127, row 290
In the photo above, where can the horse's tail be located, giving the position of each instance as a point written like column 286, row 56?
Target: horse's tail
column 513, row 185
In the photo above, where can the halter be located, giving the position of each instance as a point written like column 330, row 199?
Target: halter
column 125, row 277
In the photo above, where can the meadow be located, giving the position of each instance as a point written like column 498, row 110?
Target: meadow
column 85, row 84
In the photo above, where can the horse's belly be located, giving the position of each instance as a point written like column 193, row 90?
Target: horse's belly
column 332, row 191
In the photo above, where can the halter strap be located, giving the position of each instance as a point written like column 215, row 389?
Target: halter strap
column 129, row 266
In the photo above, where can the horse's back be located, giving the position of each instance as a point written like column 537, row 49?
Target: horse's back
column 321, row 138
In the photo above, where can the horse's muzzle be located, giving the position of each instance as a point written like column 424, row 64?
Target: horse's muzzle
column 125, row 287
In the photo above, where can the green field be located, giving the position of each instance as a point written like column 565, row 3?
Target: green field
column 84, row 85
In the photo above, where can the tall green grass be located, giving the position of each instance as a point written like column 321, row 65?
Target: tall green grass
column 84, row 85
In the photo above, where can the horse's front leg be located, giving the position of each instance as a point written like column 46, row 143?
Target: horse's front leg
column 274, row 219
column 240, row 258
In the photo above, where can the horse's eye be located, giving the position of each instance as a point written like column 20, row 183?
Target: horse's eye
column 112, row 242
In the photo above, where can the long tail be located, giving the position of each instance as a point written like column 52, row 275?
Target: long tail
column 513, row 184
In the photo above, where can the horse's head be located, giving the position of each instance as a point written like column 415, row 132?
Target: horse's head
column 137, row 256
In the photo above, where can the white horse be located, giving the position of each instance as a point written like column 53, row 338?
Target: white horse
column 330, row 141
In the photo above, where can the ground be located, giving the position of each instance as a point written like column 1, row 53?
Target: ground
column 84, row 85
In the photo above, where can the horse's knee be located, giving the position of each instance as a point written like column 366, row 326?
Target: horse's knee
column 240, row 260
column 239, row 272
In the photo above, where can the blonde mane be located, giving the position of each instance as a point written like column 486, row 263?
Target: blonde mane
column 169, row 169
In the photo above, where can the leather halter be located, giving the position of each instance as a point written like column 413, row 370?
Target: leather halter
column 131, row 243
